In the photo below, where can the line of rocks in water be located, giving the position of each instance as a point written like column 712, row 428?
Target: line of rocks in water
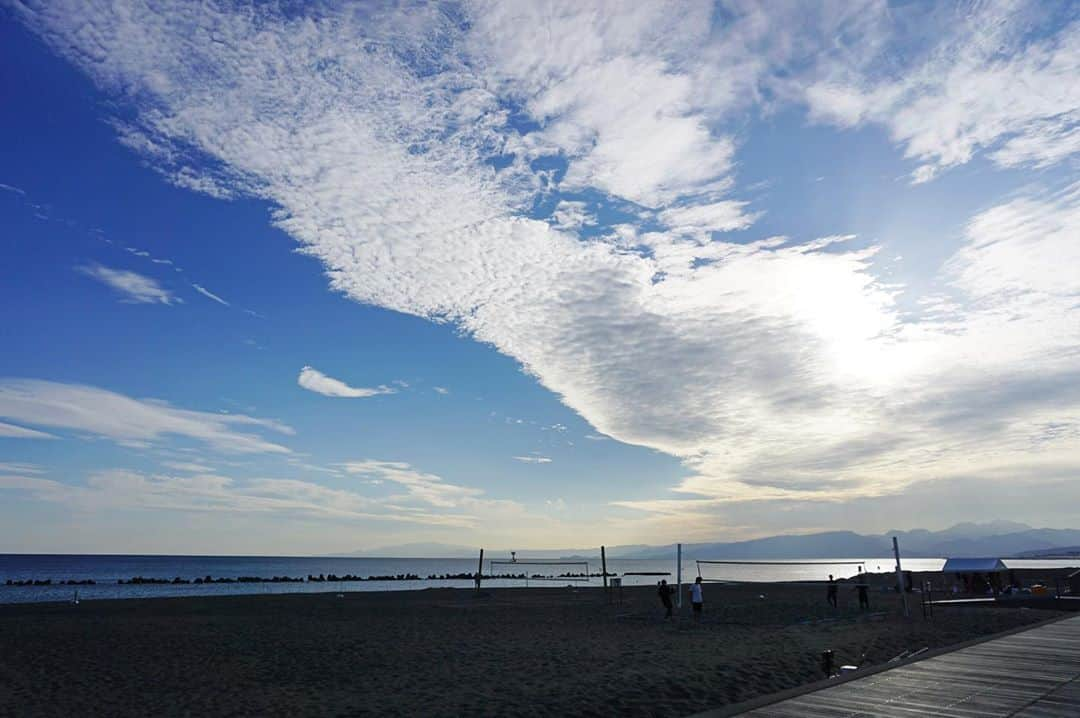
column 50, row 582
column 311, row 578
column 140, row 580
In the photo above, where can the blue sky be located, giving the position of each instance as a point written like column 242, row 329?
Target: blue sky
column 529, row 275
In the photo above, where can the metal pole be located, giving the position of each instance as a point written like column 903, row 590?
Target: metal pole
column 480, row 571
column 603, row 568
column 678, row 575
column 900, row 576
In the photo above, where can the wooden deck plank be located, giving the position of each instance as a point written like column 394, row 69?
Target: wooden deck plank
column 1062, row 703
column 1033, row 674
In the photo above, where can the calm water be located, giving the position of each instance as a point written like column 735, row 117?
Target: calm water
column 107, row 570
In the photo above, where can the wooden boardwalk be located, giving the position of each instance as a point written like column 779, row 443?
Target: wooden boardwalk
column 1030, row 674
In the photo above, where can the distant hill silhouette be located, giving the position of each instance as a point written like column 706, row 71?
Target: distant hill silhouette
column 994, row 538
column 999, row 538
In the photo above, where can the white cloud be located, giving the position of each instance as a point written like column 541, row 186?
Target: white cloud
column 18, row 468
column 606, row 85
column 717, row 217
column 42, row 487
column 571, row 216
column 10, row 431
column 532, row 459
column 775, row 368
column 999, row 77
column 314, row 380
column 114, row 416
column 1042, row 144
column 923, row 174
column 1022, row 251
column 441, row 390
column 208, row 294
column 188, row 178
column 132, row 490
column 293, row 461
column 187, row 467
column 135, row 288
column 417, row 498
column 427, row 488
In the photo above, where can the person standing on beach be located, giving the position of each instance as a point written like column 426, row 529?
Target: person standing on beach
column 831, row 596
column 864, row 596
column 664, row 591
column 696, row 599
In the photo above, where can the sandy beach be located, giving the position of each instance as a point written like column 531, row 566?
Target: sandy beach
column 447, row 652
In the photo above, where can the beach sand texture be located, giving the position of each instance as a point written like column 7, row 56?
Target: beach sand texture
column 446, row 652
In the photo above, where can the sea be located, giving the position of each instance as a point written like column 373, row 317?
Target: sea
column 171, row 576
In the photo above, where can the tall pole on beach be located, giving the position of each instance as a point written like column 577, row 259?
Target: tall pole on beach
column 678, row 574
column 480, row 571
column 900, row 576
column 603, row 566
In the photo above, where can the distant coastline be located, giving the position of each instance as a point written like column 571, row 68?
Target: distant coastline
column 995, row 538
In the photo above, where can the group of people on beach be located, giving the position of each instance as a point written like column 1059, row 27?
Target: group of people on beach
column 861, row 587
column 697, row 598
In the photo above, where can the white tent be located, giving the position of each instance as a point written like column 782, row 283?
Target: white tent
column 974, row 565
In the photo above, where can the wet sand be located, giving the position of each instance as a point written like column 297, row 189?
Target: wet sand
column 447, row 652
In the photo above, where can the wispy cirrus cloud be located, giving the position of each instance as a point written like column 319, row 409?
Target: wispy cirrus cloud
column 212, row 493
column 20, row 468
column 533, row 459
column 114, row 416
column 208, row 294
column 314, row 380
column 425, row 487
column 132, row 286
column 722, row 216
column 187, row 467
column 10, row 431
column 420, row 498
column 998, row 79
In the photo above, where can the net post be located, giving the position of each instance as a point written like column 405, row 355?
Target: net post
column 603, row 570
column 900, row 577
column 480, row 570
column 678, row 575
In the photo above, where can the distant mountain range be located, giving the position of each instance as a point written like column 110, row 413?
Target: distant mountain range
column 995, row 538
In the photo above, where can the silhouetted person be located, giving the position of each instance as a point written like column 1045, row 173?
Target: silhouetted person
column 696, row 598
column 831, row 595
column 864, row 596
column 664, row 591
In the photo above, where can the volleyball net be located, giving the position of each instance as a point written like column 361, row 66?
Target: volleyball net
column 540, row 570
column 773, row 573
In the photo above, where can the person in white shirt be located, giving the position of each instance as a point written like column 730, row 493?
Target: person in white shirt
column 696, row 599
